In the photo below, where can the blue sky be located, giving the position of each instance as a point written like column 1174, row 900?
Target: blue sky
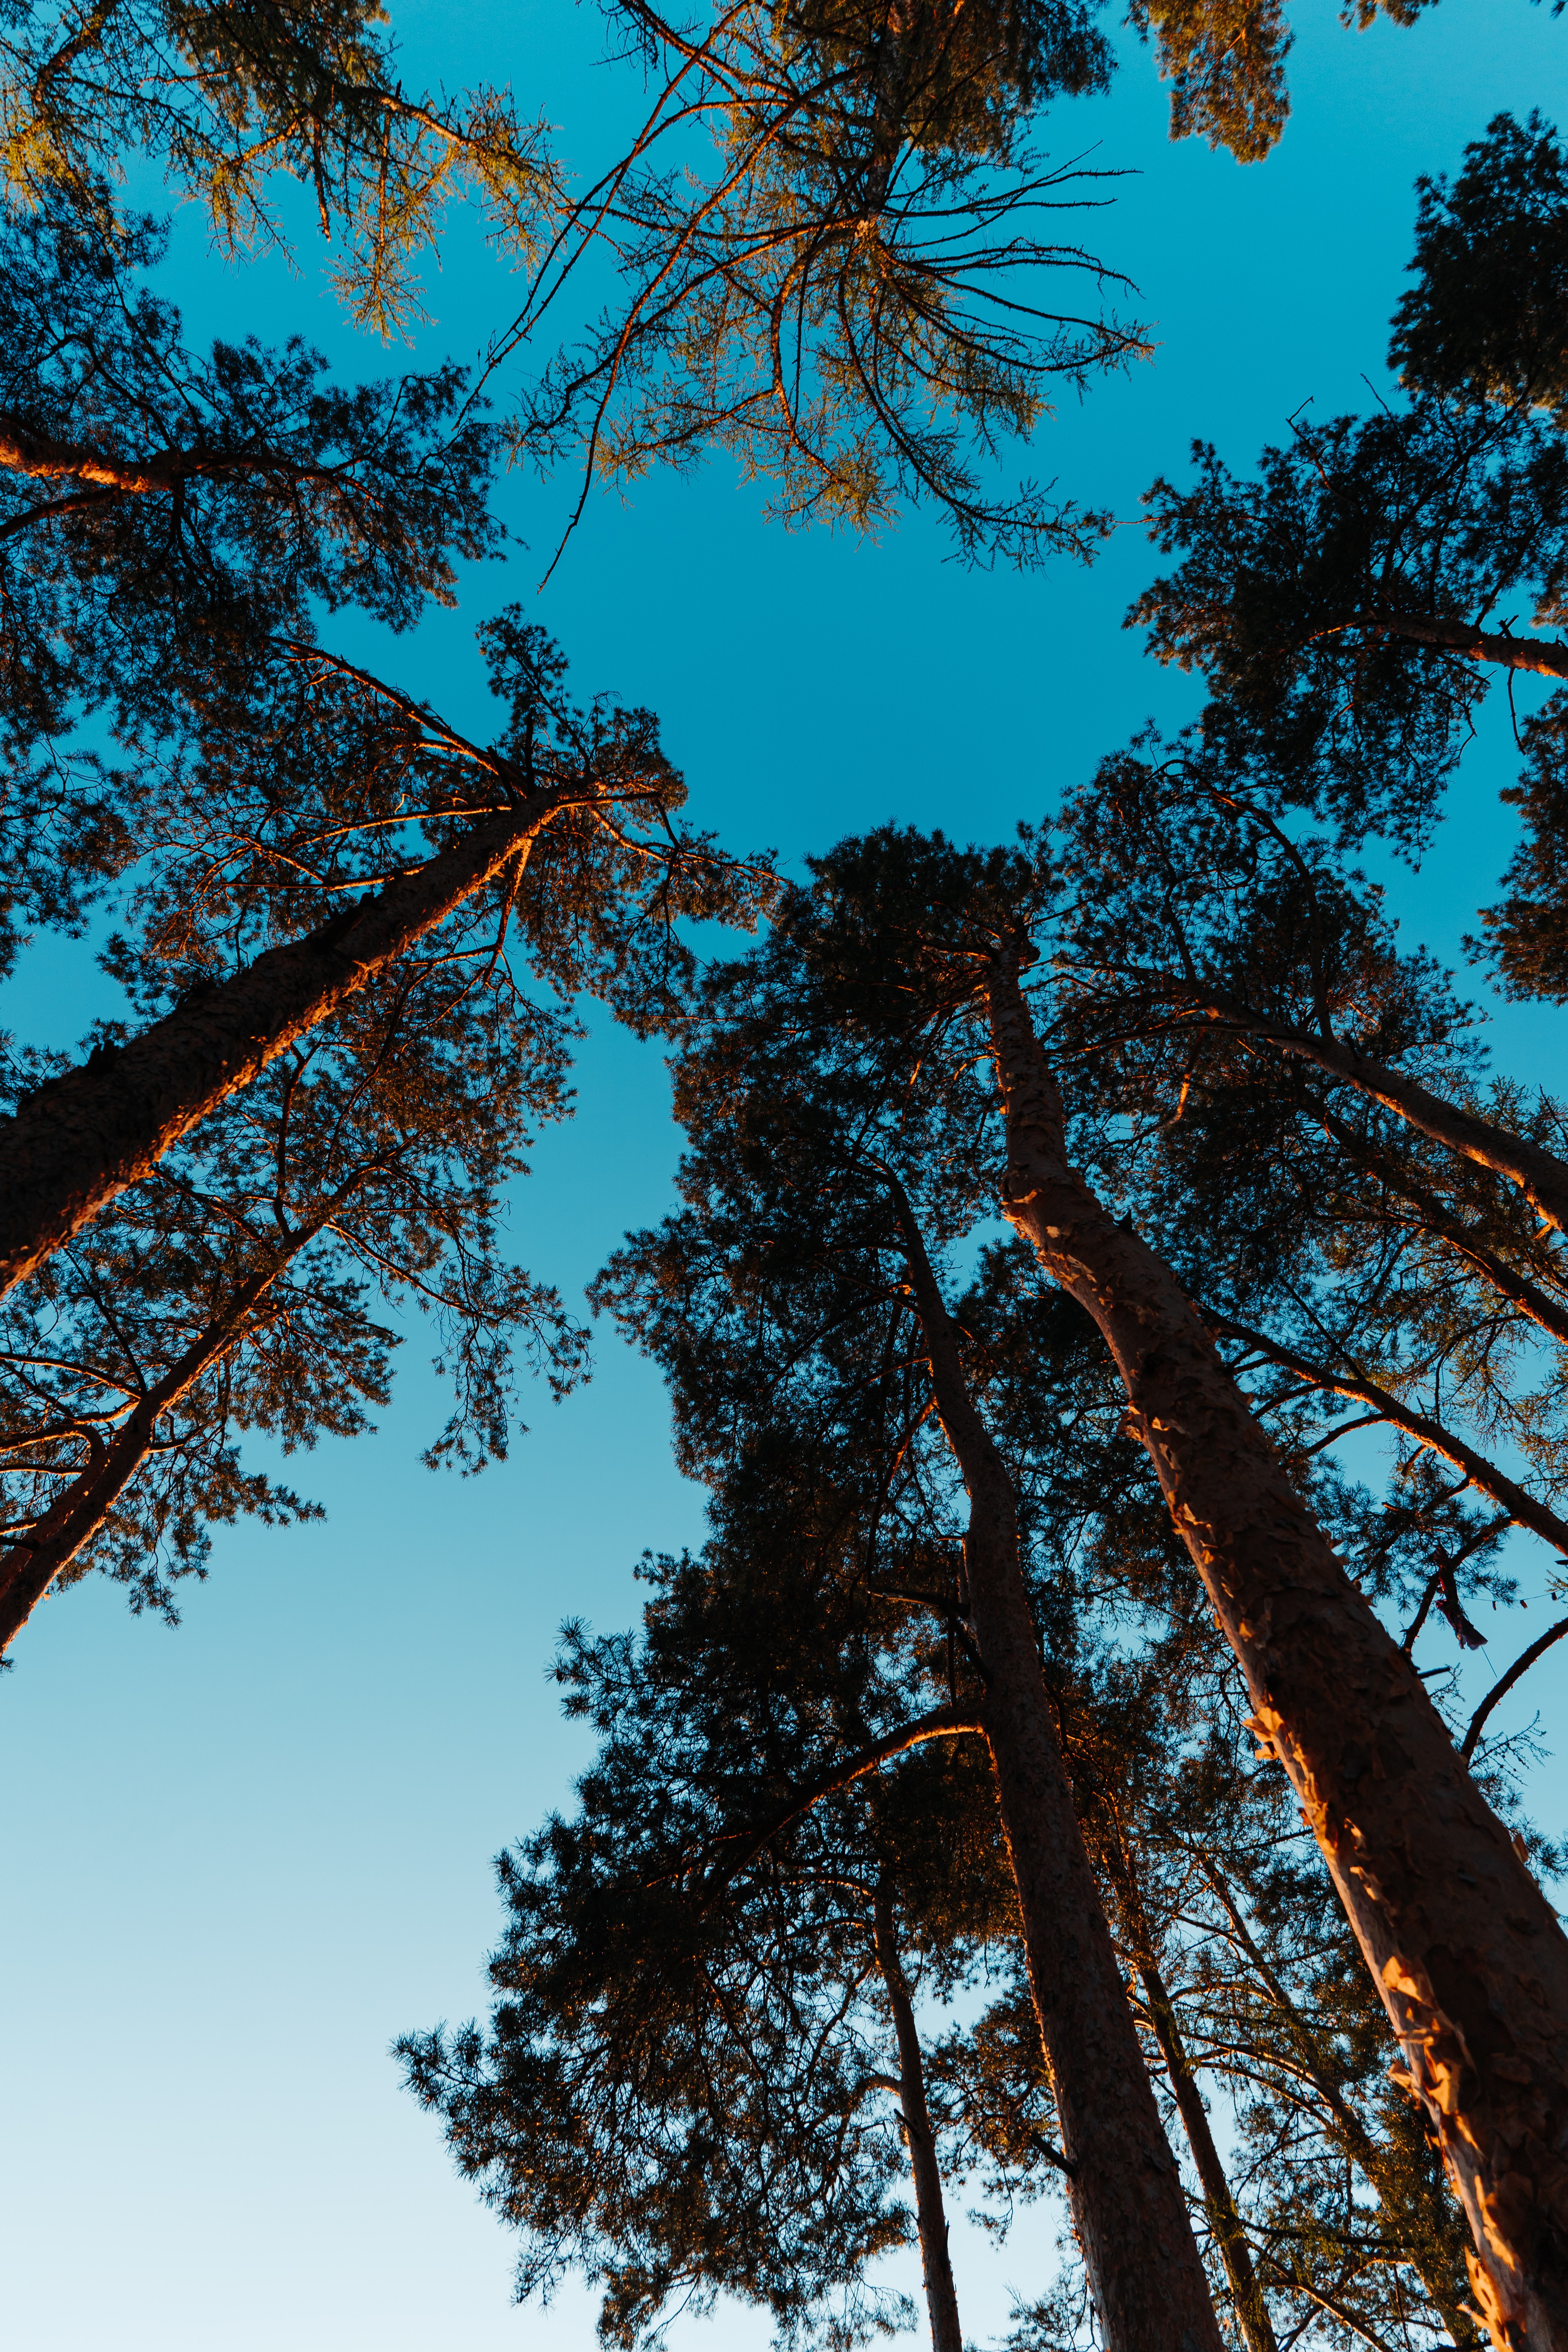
column 239, row 1858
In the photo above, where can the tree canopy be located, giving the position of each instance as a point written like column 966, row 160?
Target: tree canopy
column 1113, row 1303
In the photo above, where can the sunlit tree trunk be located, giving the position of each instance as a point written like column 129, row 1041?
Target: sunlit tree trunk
column 78, row 1141
column 1467, row 1955
column 1416, row 2230
column 1546, row 657
column 1145, row 2269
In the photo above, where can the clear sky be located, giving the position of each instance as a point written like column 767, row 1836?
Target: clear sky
column 239, row 1858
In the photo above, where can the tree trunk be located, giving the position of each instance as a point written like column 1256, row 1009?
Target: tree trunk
column 1548, row 659
column 44, row 459
column 1414, row 2230
column 931, row 2214
column 78, row 1141
column 1145, row 2269
column 1467, row 1955
column 28, row 1567
column 1251, row 2309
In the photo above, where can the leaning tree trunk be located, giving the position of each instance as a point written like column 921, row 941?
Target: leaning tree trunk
column 78, row 1141
column 1230, row 2234
column 28, row 1567
column 931, row 2213
column 1467, row 1953
column 1414, row 2215
column 1545, row 658
column 1145, row 2269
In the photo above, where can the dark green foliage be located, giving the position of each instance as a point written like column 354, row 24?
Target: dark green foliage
column 1488, row 316
column 684, row 2088
column 274, row 804
column 247, row 495
column 1346, row 605
column 1291, row 585
column 1527, row 932
column 848, row 292
column 955, row 78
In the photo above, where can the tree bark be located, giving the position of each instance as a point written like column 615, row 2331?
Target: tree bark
column 1345, row 2127
column 78, row 1141
column 42, row 457
column 1453, row 636
column 931, row 2213
column 1230, row 2236
column 1145, row 2269
column 1468, row 1955
column 29, row 1566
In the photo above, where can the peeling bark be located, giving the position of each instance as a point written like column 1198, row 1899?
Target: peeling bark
column 1467, row 1955
column 1145, row 2269
column 78, row 1141
column 931, row 2213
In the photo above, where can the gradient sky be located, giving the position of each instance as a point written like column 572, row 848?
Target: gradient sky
column 240, row 1857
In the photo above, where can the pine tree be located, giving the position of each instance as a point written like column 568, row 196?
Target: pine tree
column 325, row 789
column 855, row 303
column 234, row 1289
column 813, row 1187
column 824, row 299
column 684, row 2086
column 783, row 1685
column 1349, row 606
column 925, row 949
column 1275, row 1050
column 225, row 98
